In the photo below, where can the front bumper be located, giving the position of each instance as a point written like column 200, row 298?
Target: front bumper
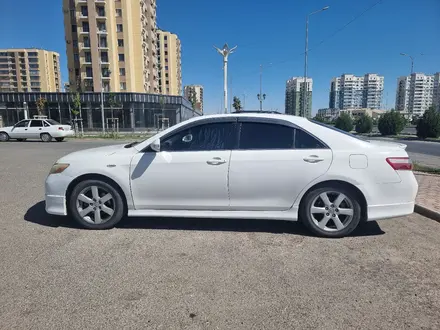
column 56, row 187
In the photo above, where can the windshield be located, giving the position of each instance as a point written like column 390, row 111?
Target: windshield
column 52, row 122
column 339, row 130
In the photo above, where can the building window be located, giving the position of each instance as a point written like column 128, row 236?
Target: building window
column 167, row 82
column 166, row 67
column 119, row 28
column 100, row 11
column 101, row 27
column 166, row 75
column 89, row 72
column 77, row 72
column 122, row 71
column 33, row 66
column 103, row 42
column 123, row 86
column 166, row 60
column 75, row 43
column 120, row 42
column 165, row 38
column 166, row 52
column 33, row 60
column 86, row 42
column 118, row 12
column 74, row 28
column 121, row 57
column 84, row 11
column 104, row 57
column 88, row 57
column 86, row 27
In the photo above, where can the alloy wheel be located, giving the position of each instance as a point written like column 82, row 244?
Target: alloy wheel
column 332, row 211
column 4, row 137
column 95, row 205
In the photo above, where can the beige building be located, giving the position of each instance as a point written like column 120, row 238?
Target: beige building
column 114, row 39
column 355, row 112
column 195, row 91
column 170, row 65
column 29, row 70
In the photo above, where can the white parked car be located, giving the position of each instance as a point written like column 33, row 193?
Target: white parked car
column 253, row 166
column 38, row 128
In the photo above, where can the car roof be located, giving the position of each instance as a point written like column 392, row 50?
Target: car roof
column 268, row 115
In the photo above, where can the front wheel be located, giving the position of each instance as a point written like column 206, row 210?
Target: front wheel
column 46, row 137
column 4, row 137
column 61, row 139
column 332, row 211
column 95, row 204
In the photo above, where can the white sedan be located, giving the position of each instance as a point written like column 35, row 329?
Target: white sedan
column 241, row 166
column 39, row 128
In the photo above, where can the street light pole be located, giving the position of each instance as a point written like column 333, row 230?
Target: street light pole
column 244, row 101
column 412, row 60
column 261, row 97
column 306, row 54
column 225, row 52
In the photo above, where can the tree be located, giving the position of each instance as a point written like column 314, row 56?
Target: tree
column 344, row 122
column 41, row 104
column 75, row 107
column 320, row 118
column 429, row 124
column 391, row 123
column 364, row 124
column 237, row 104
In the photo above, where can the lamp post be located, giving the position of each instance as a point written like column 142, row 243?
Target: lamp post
column 225, row 52
column 412, row 61
column 306, row 54
column 261, row 97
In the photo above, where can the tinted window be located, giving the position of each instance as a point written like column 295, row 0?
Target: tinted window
column 216, row 136
column 304, row 140
column 338, row 130
column 36, row 123
column 23, row 123
column 53, row 122
column 266, row 136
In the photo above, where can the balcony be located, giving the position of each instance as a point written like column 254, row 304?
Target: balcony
column 102, row 31
column 84, row 31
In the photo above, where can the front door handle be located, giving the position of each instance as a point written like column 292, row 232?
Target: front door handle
column 39, row 129
column 216, row 161
column 25, row 129
column 313, row 159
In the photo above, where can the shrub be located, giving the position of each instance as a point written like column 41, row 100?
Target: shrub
column 344, row 122
column 391, row 123
column 429, row 124
column 364, row 124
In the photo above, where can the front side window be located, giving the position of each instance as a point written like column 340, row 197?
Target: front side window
column 23, row 123
column 266, row 136
column 205, row 137
column 36, row 123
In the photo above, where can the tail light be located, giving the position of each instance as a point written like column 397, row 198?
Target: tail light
column 61, row 128
column 400, row 163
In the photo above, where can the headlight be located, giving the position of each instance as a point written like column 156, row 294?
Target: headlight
column 58, row 168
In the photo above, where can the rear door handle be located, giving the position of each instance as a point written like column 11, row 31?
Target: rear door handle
column 216, row 161
column 313, row 159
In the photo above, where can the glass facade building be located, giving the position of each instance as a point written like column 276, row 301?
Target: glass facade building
column 134, row 111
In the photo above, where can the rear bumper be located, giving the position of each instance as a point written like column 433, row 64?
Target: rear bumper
column 59, row 134
column 377, row 212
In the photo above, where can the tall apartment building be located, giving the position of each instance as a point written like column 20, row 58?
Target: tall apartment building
column 295, row 96
column 29, row 70
column 197, row 91
column 350, row 92
column 170, row 64
column 417, row 92
column 112, row 42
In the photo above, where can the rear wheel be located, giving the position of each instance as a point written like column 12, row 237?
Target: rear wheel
column 61, row 139
column 332, row 211
column 95, row 204
column 4, row 137
column 46, row 137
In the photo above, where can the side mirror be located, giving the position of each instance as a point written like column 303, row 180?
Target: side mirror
column 155, row 145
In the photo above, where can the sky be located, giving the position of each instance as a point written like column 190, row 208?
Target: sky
column 352, row 36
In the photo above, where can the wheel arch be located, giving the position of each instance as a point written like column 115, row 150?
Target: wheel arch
column 340, row 183
column 96, row 176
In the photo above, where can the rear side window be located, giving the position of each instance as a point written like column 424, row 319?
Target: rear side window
column 304, row 140
column 266, row 136
column 36, row 123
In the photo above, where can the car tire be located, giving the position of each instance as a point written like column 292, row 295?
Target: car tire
column 333, row 211
column 4, row 137
column 61, row 139
column 96, row 204
column 46, row 137
column 21, row 140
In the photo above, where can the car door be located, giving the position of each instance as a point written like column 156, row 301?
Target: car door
column 35, row 129
column 20, row 130
column 273, row 163
column 189, row 173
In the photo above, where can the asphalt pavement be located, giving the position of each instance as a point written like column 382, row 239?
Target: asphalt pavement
column 203, row 273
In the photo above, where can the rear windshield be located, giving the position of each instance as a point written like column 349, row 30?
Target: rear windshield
column 339, row 130
column 52, row 122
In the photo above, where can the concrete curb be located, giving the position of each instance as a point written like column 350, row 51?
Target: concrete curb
column 434, row 215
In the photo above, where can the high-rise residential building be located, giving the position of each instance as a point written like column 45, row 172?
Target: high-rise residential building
column 416, row 93
column 196, row 92
column 170, row 65
column 436, row 94
column 350, row 92
column 29, row 70
column 295, row 96
column 112, row 43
